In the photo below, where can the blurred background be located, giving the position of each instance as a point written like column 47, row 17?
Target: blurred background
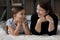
column 29, row 5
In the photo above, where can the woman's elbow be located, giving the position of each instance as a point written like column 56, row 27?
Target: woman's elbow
column 28, row 33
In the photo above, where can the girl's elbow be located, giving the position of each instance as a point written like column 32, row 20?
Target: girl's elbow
column 15, row 34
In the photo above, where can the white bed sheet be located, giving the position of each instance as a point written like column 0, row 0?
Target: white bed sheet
column 3, row 36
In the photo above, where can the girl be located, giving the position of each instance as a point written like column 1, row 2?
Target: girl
column 17, row 23
column 44, row 21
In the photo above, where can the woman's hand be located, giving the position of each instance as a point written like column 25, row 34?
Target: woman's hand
column 42, row 19
column 48, row 18
column 51, row 23
column 38, row 25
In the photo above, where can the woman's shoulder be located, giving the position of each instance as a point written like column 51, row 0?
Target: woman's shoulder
column 54, row 16
column 34, row 15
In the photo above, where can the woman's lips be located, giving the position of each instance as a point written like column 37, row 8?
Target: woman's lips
column 39, row 14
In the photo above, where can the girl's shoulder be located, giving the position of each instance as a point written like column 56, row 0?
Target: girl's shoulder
column 10, row 20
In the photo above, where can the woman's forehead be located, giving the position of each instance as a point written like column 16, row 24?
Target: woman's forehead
column 39, row 7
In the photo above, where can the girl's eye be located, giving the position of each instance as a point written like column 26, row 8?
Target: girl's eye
column 22, row 13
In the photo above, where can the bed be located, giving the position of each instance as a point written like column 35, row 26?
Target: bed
column 4, row 36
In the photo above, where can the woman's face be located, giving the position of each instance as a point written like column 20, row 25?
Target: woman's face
column 20, row 15
column 40, row 11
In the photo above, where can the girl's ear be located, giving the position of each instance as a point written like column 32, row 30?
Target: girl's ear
column 14, row 15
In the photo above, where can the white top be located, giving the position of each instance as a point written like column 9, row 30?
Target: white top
column 10, row 22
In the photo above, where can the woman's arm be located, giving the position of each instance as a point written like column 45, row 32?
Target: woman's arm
column 51, row 23
column 38, row 27
column 51, row 26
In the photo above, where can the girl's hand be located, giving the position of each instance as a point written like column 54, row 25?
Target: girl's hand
column 19, row 23
column 23, row 19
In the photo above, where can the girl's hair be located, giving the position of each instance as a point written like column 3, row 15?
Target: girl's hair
column 15, row 10
column 46, row 6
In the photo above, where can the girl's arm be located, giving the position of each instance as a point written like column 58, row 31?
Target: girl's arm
column 26, row 28
column 14, row 31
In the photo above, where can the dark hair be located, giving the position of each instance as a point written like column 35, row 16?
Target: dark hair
column 46, row 6
column 15, row 9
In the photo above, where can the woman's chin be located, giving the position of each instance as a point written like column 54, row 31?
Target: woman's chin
column 39, row 16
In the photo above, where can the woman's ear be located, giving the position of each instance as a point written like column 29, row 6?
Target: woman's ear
column 47, row 11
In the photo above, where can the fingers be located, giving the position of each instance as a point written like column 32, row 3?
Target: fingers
column 50, row 29
column 49, row 18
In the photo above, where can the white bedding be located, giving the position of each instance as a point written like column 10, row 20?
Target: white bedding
column 3, row 36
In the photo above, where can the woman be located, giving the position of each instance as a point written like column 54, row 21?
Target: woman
column 17, row 23
column 44, row 21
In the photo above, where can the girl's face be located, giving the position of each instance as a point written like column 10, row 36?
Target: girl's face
column 18, row 16
column 40, row 11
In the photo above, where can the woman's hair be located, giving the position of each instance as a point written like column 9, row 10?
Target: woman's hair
column 46, row 6
column 15, row 10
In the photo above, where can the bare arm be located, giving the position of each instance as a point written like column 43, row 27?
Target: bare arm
column 26, row 29
column 38, row 27
column 51, row 26
column 51, row 23
column 14, row 31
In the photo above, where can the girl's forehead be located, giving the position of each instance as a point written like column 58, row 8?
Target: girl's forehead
column 22, row 11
